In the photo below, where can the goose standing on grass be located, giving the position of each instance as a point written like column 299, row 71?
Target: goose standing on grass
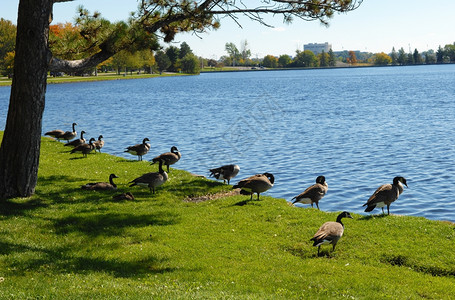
column 101, row 186
column 152, row 180
column 386, row 194
column 139, row 149
column 99, row 144
column 169, row 158
column 330, row 232
column 313, row 193
column 69, row 135
column 77, row 142
column 84, row 148
column 258, row 183
column 56, row 134
column 226, row 172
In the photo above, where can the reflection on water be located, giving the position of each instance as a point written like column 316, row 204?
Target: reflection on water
column 357, row 127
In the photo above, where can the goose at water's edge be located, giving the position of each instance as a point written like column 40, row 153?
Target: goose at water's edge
column 169, row 158
column 152, row 179
column 226, row 172
column 255, row 184
column 313, row 193
column 77, row 142
column 386, row 194
column 139, row 149
column 69, row 135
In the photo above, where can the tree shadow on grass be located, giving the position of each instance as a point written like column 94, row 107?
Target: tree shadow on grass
column 369, row 217
column 13, row 207
column 111, row 224
column 192, row 187
column 64, row 260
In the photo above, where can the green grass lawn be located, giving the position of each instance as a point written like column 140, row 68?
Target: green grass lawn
column 4, row 81
column 67, row 243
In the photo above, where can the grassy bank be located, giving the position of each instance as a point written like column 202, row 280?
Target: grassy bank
column 66, row 243
column 4, row 81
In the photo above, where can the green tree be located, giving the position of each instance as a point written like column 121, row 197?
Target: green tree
column 284, row 61
column 190, row 64
column 173, row 53
column 162, row 60
column 430, row 57
column 323, row 59
column 270, row 61
column 332, row 60
column 394, row 57
column 20, row 147
column 402, row 58
column 382, row 59
column 7, row 44
column 417, row 57
column 410, row 59
column 440, row 55
column 184, row 50
column 212, row 63
column 233, row 52
column 449, row 51
column 305, row 59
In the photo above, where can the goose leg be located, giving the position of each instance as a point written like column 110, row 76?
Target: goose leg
column 388, row 211
column 319, row 248
column 317, row 204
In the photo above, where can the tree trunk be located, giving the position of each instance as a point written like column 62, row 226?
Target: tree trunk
column 20, row 148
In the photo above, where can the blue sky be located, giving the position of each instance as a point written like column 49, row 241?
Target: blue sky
column 376, row 26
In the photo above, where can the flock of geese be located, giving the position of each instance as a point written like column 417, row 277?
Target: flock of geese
column 328, row 233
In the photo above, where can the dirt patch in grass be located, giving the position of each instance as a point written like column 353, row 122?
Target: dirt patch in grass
column 211, row 196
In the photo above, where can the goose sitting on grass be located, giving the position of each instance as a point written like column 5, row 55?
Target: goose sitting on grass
column 101, row 186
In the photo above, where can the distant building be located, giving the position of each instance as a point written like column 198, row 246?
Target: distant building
column 317, row 48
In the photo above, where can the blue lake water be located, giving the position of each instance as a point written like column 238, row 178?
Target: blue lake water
column 358, row 127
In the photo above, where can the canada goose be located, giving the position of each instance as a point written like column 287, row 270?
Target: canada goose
column 101, row 186
column 313, row 193
column 255, row 184
column 152, row 180
column 77, row 142
column 169, row 158
column 386, row 194
column 69, row 135
column 84, row 148
column 330, row 232
column 99, row 144
column 123, row 196
column 226, row 172
column 55, row 134
column 139, row 149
